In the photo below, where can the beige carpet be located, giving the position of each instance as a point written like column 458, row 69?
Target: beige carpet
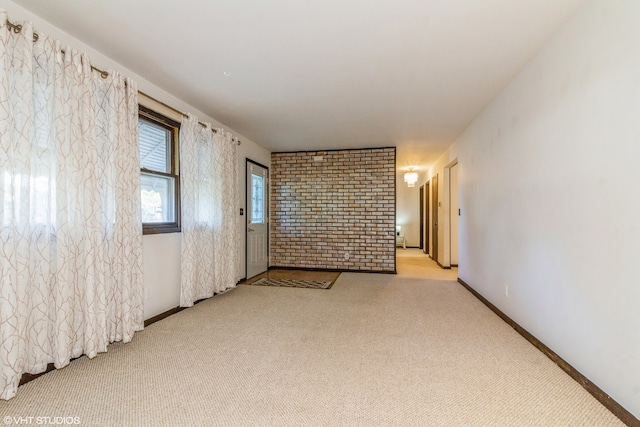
column 376, row 350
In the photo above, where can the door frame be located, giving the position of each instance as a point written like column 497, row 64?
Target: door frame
column 453, row 213
column 425, row 219
column 434, row 218
column 422, row 217
column 443, row 210
column 246, row 213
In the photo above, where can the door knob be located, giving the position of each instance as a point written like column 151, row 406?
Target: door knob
column 250, row 229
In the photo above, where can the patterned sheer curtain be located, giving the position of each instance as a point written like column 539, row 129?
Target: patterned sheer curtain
column 70, row 230
column 208, row 179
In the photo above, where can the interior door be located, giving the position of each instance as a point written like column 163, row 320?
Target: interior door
column 257, row 219
column 434, row 214
column 454, row 212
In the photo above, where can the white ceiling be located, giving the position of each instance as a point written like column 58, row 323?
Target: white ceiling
column 306, row 75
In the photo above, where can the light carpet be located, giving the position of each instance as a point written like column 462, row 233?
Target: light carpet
column 378, row 350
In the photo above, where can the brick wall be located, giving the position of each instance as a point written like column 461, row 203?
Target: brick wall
column 322, row 211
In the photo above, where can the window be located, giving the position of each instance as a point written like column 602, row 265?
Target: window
column 159, row 178
column 257, row 203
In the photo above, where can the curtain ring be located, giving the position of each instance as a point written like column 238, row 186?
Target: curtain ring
column 16, row 28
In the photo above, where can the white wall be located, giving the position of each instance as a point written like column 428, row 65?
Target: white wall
column 550, row 197
column 161, row 252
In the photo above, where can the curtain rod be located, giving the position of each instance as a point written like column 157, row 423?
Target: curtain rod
column 163, row 104
column 17, row 28
column 175, row 110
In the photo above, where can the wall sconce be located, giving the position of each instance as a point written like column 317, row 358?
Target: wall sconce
column 411, row 178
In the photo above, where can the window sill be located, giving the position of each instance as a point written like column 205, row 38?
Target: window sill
column 160, row 229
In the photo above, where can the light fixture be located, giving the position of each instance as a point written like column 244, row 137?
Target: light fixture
column 411, row 178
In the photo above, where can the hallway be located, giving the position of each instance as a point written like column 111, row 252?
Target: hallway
column 412, row 262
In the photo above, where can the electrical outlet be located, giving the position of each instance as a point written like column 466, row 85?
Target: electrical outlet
column 506, row 291
column 346, row 256
column 146, row 294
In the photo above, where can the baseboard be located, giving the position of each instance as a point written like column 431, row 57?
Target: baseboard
column 618, row 410
column 438, row 262
column 441, row 266
column 332, row 270
column 164, row 315
column 174, row 310
column 25, row 378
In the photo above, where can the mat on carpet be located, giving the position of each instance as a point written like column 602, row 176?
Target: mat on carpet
column 292, row 283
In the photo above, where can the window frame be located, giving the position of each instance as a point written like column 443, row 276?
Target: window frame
column 173, row 127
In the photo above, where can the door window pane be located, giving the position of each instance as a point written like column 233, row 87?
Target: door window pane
column 257, row 199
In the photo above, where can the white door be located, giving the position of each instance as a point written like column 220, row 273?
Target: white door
column 454, row 212
column 257, row 219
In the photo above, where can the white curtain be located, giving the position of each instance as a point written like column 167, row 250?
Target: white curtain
column 208, row 185
column 70, row 231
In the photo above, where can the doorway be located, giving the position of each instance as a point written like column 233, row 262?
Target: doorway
column 425, row 219
column 257, row 224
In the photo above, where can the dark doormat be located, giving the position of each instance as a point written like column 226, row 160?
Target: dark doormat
column 293, row 283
